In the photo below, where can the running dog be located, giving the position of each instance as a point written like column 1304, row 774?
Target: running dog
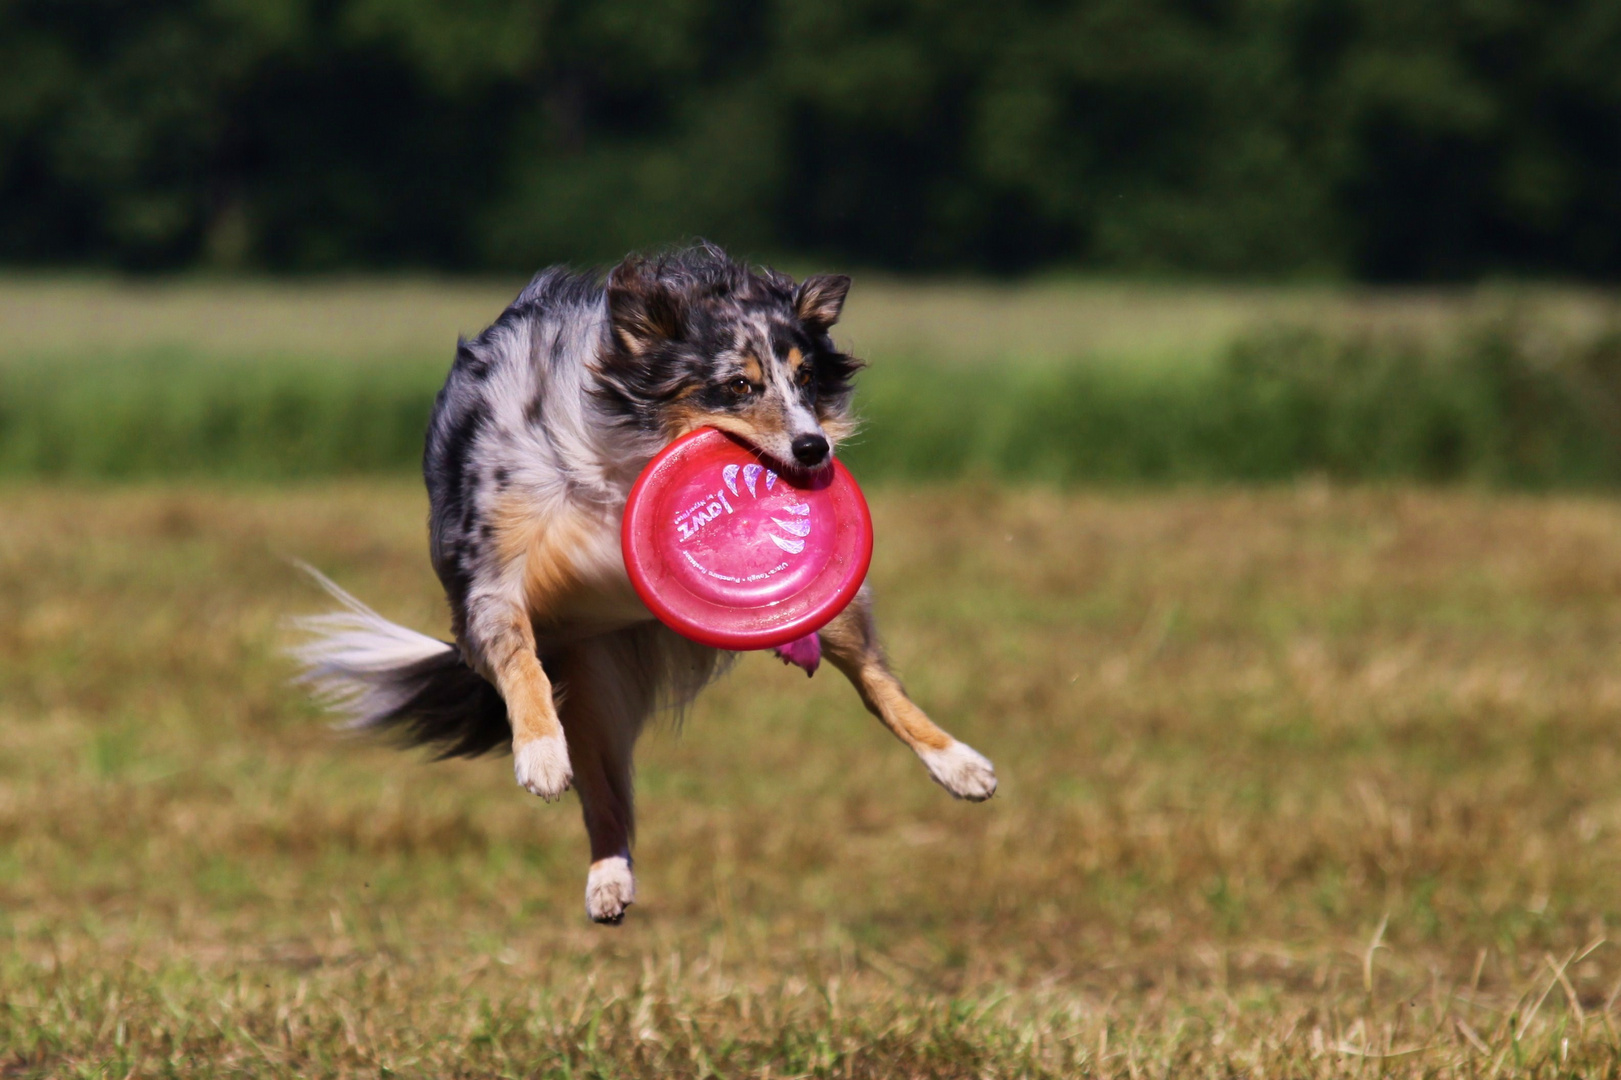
column 544, row 423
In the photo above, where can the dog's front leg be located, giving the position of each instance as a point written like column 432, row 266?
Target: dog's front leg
column 531, row 571
column 501, row 640
column 852, row 646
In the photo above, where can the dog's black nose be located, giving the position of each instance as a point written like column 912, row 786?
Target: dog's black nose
column 809, row 449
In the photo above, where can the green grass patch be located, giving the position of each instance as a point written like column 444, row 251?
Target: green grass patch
column 176, row 413
column 1495, row 405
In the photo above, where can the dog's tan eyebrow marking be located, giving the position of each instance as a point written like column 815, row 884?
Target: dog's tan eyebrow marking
column 752, row 369
column 795, row 358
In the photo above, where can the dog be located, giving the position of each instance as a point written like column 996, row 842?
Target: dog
column 544, row 423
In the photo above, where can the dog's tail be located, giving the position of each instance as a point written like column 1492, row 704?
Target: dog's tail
column 385, row 678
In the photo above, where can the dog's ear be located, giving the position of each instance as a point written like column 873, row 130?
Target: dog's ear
column 820, row 299
column 642, row 309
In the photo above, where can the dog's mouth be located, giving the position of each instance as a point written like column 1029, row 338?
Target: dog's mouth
column 790, row 466
column 807, row 455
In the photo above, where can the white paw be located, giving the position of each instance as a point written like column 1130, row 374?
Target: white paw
column 610, row 888
column 542, row 766
column 961, row 770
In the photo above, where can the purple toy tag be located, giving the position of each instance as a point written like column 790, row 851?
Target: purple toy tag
column 805, row 652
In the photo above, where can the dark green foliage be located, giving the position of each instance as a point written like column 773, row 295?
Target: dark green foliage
column 1488, row 408
column 1378, row 138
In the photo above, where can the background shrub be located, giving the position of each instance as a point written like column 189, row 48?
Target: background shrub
column 1496, row 405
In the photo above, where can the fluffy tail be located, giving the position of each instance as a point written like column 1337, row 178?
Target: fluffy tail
column 383, row 677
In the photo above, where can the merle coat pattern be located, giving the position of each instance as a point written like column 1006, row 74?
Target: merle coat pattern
column 543, row 425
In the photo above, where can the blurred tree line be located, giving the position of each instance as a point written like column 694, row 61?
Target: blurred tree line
column 1382, row 139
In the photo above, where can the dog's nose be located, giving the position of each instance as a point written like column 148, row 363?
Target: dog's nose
column 809, row 449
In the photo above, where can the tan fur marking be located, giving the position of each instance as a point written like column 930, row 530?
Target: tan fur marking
column 681, row 420
column 850, row 642
column 545, row 546
column 549, row 567
column 837, row 428
column 896, row 709
column 795, row 358
column 629, row 341
column 752, row 369
column 516, row 526
column 525, row 688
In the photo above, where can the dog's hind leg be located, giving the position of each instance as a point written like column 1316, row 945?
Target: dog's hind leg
column 851, row 644
column 606, row 696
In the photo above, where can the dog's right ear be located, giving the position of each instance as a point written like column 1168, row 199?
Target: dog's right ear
column 642, row 309
column 820, row 299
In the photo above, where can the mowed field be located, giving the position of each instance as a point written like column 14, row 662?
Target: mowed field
column 413, row 319
column 1297, row 782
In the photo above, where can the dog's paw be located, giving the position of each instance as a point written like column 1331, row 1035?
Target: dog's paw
column 610, row 888
column 961, row 770
column 542, row 766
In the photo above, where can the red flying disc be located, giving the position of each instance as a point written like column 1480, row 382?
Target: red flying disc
column 732, row 551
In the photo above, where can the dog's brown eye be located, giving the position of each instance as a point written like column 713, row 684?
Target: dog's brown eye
column 804, row 376
column 740, row 386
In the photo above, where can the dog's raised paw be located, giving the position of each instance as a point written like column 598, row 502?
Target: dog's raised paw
column 610, row 888
column 542, row 766
column 961, row 770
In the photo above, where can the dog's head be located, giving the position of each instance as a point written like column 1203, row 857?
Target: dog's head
column 697, row 339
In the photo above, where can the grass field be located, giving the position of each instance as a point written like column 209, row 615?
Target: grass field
column 417, row 319
column 1059, row 382
column 1307, row 782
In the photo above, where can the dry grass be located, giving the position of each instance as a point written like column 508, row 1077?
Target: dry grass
column 371, row 319
column 1301, row 783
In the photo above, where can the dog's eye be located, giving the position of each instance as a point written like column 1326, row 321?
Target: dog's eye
column 740, row 386
column 804, row 376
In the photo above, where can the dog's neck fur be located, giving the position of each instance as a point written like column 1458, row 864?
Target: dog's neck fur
column 546, row 357
column 600, row 455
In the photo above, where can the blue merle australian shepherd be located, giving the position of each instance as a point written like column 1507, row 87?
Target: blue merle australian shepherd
column 544, row 423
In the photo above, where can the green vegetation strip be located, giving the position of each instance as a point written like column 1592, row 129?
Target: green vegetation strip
column 1495, row 405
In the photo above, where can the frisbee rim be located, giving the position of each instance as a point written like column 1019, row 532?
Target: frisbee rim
column 632, row 532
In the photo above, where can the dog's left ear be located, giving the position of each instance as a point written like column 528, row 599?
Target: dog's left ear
column 820, row 299
column 642, row 309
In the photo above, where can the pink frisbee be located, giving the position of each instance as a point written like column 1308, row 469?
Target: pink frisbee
column 731, row 551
